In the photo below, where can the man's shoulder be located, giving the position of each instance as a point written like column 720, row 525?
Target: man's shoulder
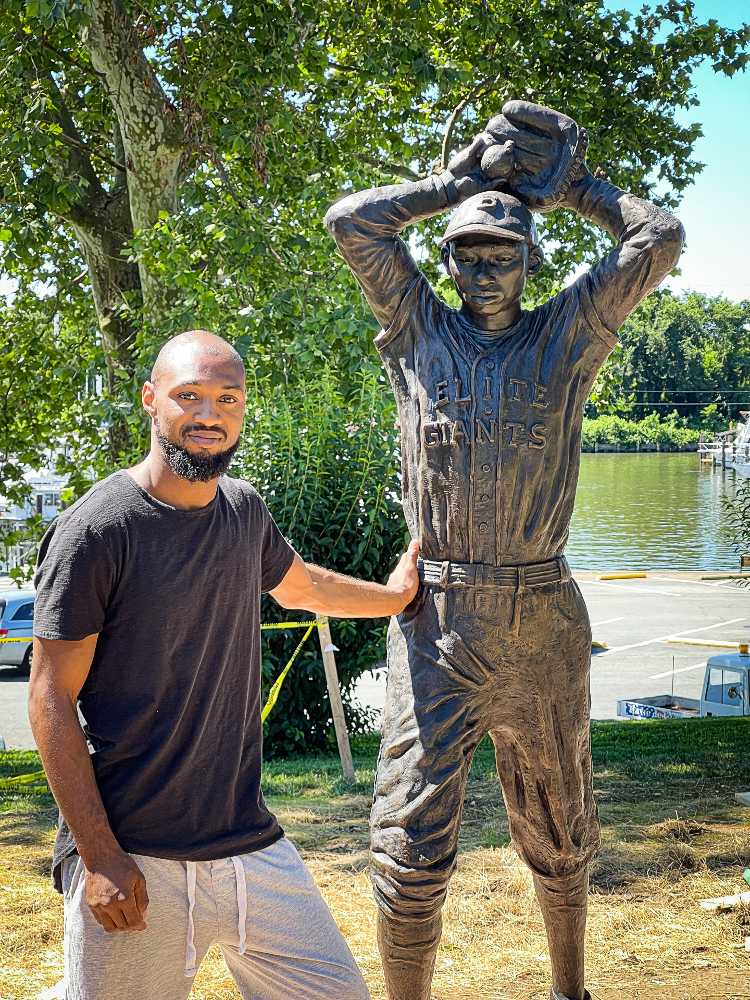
column 102, row 505
column 242, row 495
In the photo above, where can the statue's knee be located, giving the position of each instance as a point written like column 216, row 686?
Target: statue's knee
column 405, row 892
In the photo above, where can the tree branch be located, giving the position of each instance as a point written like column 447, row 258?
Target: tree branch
column 79, row 163
column 64, row 57
column 454, row 115
column 84, row 147
column 225, row 179
column 391, row 168
column 121, row 178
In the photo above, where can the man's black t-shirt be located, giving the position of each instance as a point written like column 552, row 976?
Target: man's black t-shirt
column 172, row 701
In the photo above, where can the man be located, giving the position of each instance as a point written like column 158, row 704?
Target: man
column 490, row 401
column 147, row 616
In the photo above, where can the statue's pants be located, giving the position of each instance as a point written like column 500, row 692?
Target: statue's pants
column 465, row 660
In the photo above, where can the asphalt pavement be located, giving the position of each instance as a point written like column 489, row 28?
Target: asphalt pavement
column 634, row 618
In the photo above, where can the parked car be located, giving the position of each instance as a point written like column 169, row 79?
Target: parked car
column 16, row 621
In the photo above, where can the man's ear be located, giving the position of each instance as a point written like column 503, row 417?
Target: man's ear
column 148, row 398
column 445, row 255
column 536, row 260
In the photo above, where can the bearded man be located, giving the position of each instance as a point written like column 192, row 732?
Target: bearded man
column 147, row 617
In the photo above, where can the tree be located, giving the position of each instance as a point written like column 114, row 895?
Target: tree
column 164, row 146
column 684, row 353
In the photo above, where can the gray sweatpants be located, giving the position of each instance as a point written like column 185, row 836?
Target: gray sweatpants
column 263, row 909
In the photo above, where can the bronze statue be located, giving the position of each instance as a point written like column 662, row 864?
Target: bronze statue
column 490, row 400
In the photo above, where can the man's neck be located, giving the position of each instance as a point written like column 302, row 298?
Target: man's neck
column 497, row 322
column 156, row 478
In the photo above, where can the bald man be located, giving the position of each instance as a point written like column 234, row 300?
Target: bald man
column 147, row 619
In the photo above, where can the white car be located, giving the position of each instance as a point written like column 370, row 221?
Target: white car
column 16, row 622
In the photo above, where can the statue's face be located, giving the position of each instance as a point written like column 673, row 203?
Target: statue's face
column 489, row 273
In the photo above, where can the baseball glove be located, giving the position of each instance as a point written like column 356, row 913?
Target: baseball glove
column 538, row 153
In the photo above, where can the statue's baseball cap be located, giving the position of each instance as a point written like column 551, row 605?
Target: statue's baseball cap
column 492, row 213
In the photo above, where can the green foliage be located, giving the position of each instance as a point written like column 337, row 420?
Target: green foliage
column 737, row 516
column 652, row 433
column 326, row 465
column 688, row 353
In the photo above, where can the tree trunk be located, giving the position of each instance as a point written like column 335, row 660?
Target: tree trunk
column 153, row 136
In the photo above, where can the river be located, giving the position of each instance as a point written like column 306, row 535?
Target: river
column 650, row 511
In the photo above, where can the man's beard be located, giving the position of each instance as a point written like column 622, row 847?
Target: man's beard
column 195, row 468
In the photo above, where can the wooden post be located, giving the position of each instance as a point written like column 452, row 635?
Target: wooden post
column 334, row 693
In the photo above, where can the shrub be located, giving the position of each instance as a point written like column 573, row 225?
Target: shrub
column 325, row 463
column 652, row 432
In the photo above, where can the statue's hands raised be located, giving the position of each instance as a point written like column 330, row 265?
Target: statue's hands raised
column 466, row 166
column 545, row 149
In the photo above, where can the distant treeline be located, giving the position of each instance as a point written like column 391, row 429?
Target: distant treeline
column 687, row 355
column 612, row 433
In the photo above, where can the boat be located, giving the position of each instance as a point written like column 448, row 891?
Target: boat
column 731, row 449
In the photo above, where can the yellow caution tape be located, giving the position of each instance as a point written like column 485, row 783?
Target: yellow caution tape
column 273, row 694
column 35, row 781
column 272, row 625
column 315, row 621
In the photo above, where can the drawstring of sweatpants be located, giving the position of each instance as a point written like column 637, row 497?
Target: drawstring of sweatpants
column 241, row 889
column 239, row 876
column 190, row 953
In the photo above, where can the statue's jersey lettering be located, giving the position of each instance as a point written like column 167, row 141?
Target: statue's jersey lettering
column 490, row 429
column 516, row 389
column 512, row 433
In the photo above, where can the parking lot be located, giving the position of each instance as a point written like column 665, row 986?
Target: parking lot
column 634, row 618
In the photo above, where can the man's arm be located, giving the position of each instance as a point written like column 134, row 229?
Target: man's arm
column 327, row 593
column 649, row 246
column 366, row 225
column 115, row 886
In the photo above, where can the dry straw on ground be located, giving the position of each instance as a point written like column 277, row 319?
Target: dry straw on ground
column 664, row 849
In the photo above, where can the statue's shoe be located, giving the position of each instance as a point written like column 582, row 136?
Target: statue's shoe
column 555, row 995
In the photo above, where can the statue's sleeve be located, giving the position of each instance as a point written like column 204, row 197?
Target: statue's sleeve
column 366, row 227
column 649, row 243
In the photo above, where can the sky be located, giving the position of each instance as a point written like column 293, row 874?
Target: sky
column 715, row 209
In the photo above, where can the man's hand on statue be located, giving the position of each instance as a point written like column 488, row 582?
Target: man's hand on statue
column 547, row 153
column 404, row 580
column 116, row 894
column 466, row 166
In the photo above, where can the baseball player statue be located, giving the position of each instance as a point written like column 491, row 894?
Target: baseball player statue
column 490, row 400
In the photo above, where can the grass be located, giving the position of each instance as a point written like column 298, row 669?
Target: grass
column 672, row 834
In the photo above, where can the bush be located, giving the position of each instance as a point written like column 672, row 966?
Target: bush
column 652, row 433
column 737, row 516
column 325, row 463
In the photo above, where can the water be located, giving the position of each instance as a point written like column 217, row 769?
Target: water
column 650, row 511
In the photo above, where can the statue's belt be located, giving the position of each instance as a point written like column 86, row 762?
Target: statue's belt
column 446, row 573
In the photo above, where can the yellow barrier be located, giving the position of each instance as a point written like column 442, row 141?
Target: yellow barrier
column 622, row 576
column 685, row 640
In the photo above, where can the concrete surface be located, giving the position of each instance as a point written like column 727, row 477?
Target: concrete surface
column 633, row 617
